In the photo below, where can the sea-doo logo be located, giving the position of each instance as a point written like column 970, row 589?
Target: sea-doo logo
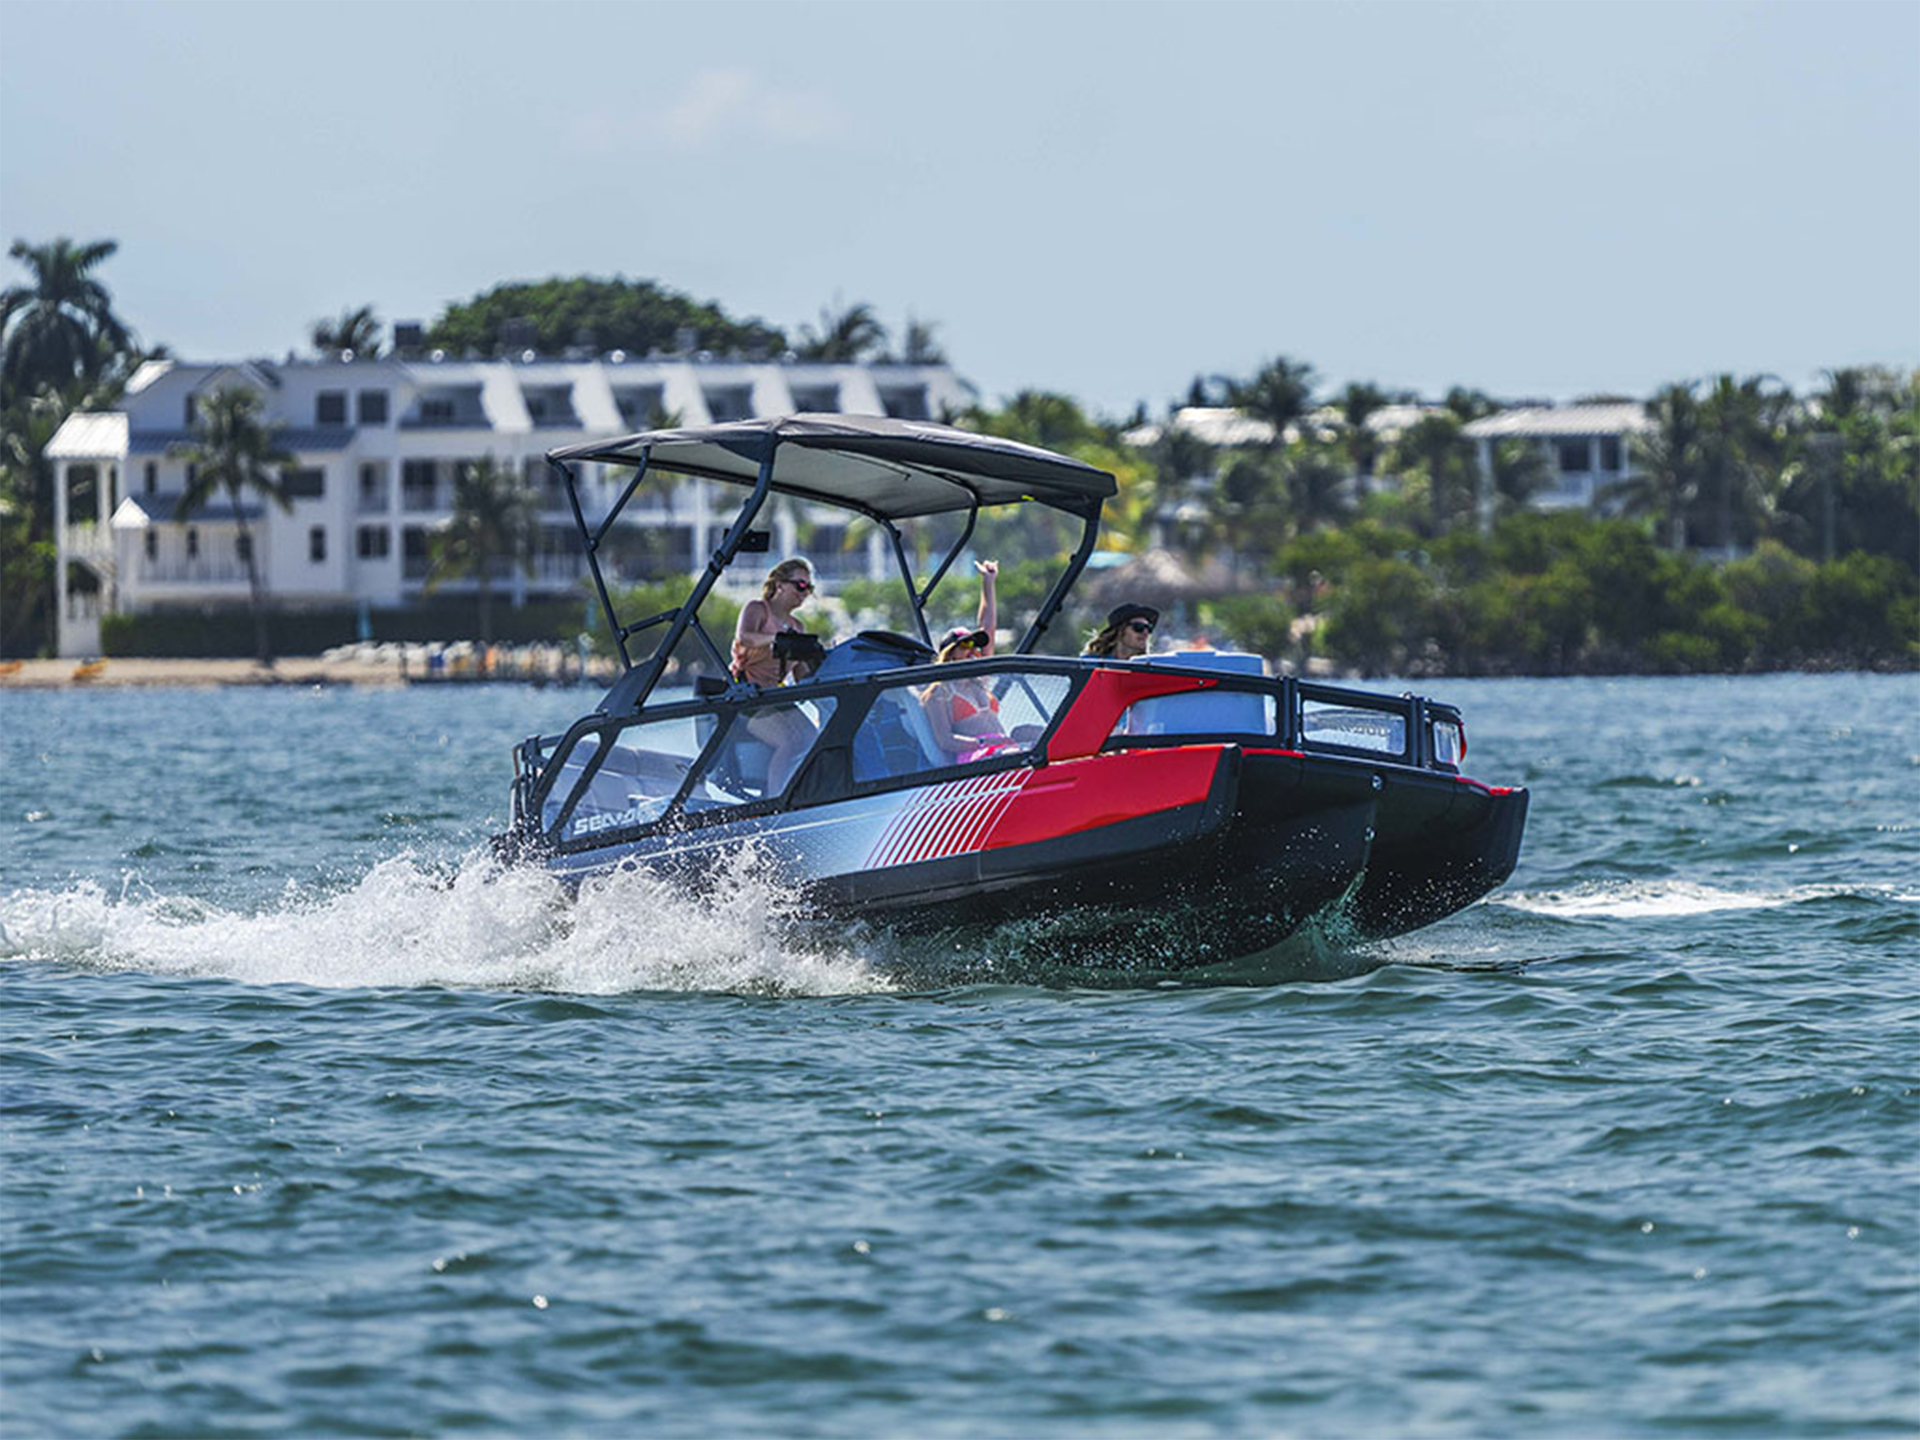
column 609, row 820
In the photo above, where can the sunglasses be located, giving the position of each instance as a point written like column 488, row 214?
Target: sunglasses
column 801, row 585
column 1140, row 627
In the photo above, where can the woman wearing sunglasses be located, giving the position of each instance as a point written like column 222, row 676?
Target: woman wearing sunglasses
column 965, row 714
column 762, row 622
column 1128, row 634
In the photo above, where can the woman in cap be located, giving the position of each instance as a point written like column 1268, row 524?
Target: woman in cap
column 965, row 714
column 1128, row 634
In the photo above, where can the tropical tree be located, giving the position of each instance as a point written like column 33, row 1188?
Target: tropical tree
column 27, row 552
column 844, row 337
column 1280, row 393
column 234, row 452
column 492, row 520
column 60, row 330
column 1854, row 480
column 1521, row 470
column 639, row 316
column 1316, row 480
column 1470, row 405
column 357, row 331
column 1664, row 481
column 919, row 347
column 1742, row 446
column 1434, row 446
column 1357, row 403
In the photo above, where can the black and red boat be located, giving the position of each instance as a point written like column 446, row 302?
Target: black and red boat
column 1177, row 809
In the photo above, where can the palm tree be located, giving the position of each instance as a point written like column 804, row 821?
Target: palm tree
column 920, row 347
column 1742, row 440
column 1280, row 394
column 1357, row 403
column 357, row 331
column 232, row 452
column 845, row 338
column 1316, row 483
column 1664, row 482
column 60, row 328
column 492, row 520
column 1434, row 444
column 1520, row 471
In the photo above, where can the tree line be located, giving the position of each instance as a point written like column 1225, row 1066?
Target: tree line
column 1323, row 536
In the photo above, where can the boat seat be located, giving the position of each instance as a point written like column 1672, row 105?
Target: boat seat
column 896, row 738
column 740, row 764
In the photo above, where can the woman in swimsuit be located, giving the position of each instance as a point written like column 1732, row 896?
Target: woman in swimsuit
column 784, row 728
column 965, row 714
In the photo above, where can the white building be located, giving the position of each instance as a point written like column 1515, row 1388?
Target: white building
column 1588, row 446
column 376, row 445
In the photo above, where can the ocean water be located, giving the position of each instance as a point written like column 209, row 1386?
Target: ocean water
column 311, row 1123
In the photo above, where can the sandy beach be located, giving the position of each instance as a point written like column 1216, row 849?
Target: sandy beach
column 137, row 671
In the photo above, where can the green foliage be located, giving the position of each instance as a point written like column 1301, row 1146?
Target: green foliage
column 845, row 337
column 233, row 450
column 718, row 617
column 355, row 330
column 58, row 331
column 1262, row 624
column 226, row 631
column 492, row 519
column 1563, row 593
column 635, row 315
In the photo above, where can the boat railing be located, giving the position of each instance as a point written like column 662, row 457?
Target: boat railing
column 1225, row 706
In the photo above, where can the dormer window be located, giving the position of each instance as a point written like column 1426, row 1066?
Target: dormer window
column 192, row 409
column 436, row 410
column 549, row 405
column 330, row 408
column 640, row 403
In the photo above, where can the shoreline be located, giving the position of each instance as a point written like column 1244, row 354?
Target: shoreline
column 142, row 672
column 138, row 672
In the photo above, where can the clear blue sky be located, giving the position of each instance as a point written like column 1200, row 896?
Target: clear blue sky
column 1099, row 199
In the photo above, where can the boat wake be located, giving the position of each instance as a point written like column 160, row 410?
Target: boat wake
column 1668, row 898
column 475, row 925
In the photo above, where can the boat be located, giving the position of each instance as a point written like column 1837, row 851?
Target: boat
column 1176, row 809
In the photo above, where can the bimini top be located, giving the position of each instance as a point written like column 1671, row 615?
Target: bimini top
column 890, row 469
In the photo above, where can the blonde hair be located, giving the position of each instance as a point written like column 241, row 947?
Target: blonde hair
column 784, row 571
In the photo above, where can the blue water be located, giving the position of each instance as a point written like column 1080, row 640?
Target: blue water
column 310, row 1124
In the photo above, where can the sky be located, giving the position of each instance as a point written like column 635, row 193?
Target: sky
column 1541, row 200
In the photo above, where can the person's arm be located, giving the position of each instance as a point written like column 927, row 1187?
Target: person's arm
column 989, row 616
column 755, row 626
column 938, row 704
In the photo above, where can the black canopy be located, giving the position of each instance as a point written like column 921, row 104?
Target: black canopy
column 891, row 469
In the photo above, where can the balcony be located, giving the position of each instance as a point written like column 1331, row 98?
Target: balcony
column 194, row 572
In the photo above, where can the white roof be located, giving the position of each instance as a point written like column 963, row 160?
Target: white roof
column 1551, row 421
column 1222, row 425
column 1215, row 424
column 89, row 435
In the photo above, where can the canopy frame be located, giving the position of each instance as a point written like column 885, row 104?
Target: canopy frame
column 968, row 466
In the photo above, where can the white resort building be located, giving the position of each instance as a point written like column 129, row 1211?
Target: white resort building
column 376, row 445
column 1587, row 445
